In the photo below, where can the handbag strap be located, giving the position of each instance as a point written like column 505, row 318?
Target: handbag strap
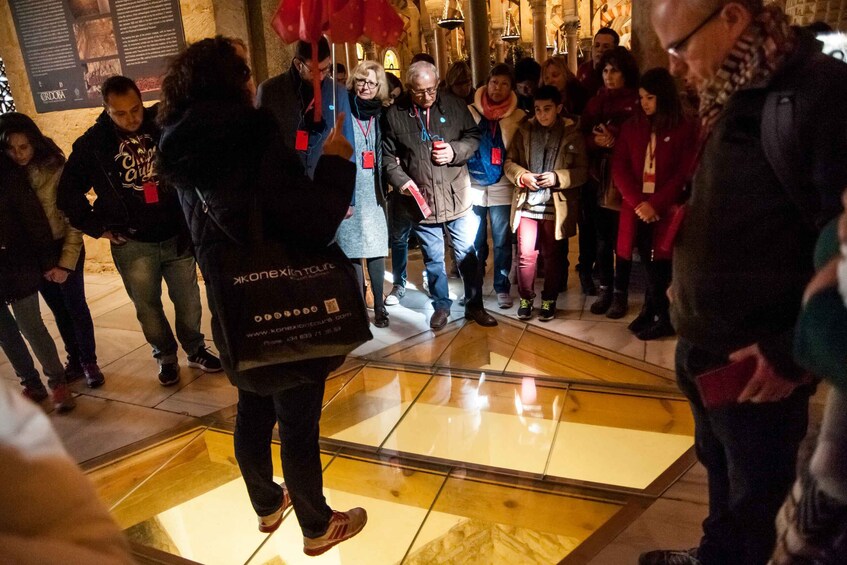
column 214, row 219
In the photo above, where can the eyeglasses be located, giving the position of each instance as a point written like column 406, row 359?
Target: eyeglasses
column 365, row 82
column 677, row 48
column 425, row 91
column 323, row 70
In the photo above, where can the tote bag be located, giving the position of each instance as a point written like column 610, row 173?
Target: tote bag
column 279, row 302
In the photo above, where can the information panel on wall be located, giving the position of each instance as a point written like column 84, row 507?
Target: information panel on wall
column 71, row 46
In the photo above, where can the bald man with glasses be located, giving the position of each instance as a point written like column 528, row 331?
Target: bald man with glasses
column 428, row 137
column 770, row 174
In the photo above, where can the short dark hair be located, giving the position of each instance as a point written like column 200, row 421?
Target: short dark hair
column 118, row 84
column 303, row 51
column 610, row 32
column 422, row 57
column 661, row 84
column 527, row 69
column 501, row 70
column 548, row 92
column 621, row 59
column 339, row 68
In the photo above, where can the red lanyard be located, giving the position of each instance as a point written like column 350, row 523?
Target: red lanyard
column 370, row 123
column 651, row 148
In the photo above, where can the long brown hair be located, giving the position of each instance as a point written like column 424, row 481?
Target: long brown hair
column 46, row 153
column 662, row 85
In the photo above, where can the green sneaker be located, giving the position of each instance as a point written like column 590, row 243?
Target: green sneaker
column 548, row 310
column 525, row 309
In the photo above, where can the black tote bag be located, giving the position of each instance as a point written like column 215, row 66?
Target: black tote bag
column 279, row 303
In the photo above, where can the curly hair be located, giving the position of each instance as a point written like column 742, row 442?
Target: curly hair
column 209, row 70
column 46, row 152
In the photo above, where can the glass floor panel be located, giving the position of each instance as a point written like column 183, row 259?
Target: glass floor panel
column 517, row 349
column 466, row 446
column 195, row 506
column 475, row 522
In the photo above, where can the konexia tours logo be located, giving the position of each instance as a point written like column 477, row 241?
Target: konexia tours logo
column 302, row 273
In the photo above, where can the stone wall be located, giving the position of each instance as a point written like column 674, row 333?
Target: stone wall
column 198, row 18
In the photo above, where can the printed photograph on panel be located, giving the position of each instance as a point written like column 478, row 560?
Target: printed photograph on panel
column 95, row 38
column 83, row 8
column 96, row 72
column 149, row 83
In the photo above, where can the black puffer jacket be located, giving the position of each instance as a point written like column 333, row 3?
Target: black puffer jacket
column 405, row 156
column 26, row 242
column 231, row 152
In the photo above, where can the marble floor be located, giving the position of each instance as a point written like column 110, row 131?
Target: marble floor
column 528, row 443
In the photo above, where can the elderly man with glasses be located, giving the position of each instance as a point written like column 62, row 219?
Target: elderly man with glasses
column 428, row 138
column 770, row 174
column 290, row 97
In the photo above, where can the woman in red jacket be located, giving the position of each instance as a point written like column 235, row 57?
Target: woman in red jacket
column 604, row 115
column 652, row 159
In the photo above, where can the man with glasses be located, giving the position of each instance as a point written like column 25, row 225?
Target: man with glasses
column 427, row 140
column 290, row 97
column 770, row 173
column 588, row 75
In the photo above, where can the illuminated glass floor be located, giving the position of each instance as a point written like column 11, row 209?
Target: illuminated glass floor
column 466, row 446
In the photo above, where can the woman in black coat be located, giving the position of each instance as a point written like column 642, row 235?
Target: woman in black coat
column 215, row 141
column 26, row 253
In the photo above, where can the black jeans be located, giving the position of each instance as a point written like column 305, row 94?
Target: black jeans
column 750, row 452
column 658, row 273
column 587, row 224
column 73, row 318
column 298, row 411
column 607, row 240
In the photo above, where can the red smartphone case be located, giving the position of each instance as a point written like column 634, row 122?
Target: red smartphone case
column 722, row 387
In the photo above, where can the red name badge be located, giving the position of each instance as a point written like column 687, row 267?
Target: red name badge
column 301, row 142
column 151, row 192
column 367, row 159
column 496, row 156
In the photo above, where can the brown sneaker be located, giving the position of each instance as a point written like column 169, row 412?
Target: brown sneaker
column 37, row 395
column 63, row 400
column 342, row 526
column 271, row 522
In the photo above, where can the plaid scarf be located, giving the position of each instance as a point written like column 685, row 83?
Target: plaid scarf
column 757, row 54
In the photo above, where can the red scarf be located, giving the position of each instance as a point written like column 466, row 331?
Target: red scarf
column 493, row 111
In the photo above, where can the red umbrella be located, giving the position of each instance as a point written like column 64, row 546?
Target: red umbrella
column 343, row 20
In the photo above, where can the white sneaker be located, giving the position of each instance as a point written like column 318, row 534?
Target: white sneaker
column 504, row 300
column 342, row 526
column 393, row 298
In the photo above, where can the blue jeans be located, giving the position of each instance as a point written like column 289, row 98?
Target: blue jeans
column 73, row 318
column 298, row 411
column 501, row 237
column 463, row 231
column 142, row 267
column 27, row 321
column 750, row 453
column 400, row 226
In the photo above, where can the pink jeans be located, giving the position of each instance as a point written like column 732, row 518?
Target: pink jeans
column 532, row 235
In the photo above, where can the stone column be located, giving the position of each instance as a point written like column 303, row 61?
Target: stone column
column 539, row 29
column 476, row 27
column 645, row 44
column 571, row 29
column 441, row 51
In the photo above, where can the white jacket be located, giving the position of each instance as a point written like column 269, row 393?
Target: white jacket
column 500, row 193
